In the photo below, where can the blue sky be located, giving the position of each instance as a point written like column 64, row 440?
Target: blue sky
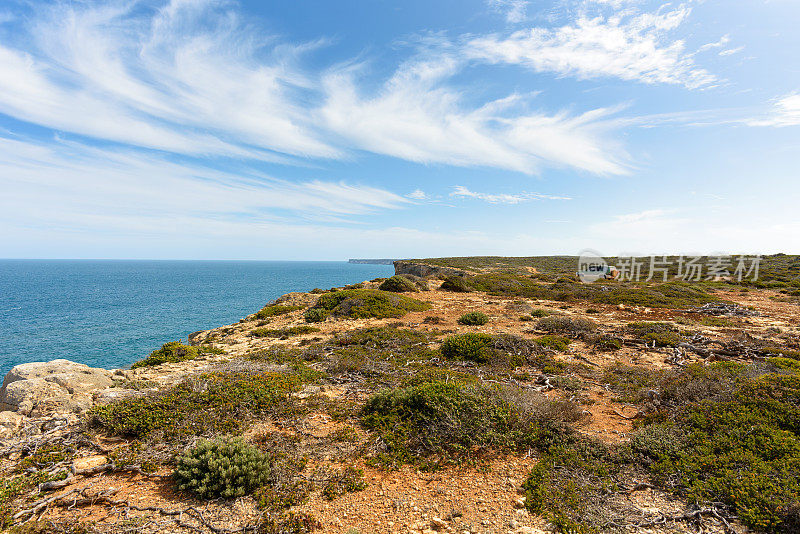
column 327, row 130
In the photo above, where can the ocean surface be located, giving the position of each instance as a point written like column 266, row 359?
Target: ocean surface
column 108, row 313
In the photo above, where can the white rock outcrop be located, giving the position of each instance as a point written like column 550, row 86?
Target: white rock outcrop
column 42, row 388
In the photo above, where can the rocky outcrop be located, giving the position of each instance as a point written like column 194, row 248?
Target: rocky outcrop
column 41, row 388
column 424, row 270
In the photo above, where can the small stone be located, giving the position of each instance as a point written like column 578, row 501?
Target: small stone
column 438, row 524
column 89, row 462
column 519, row 502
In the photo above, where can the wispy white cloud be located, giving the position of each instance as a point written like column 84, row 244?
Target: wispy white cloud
column 731, row 51
column 190, row 77
column 416, row 115
column 514, row 10
column 785, row 112
column 625, row 44
column 417, row 194
column 503, row 198
column 71, row 186
column 193, row 78
column 723, row 41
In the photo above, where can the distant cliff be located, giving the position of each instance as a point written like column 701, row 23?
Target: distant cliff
column 371, row 262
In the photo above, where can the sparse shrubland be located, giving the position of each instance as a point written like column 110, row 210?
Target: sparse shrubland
column 438, row 423
column 563, row 324
column 473, row 319
column 283, row 332
column 708, row 437
column 364, row 303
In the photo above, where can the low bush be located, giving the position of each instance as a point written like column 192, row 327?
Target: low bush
column 562, row 324
column 574, row 487
column 473, row 319
column 211, row 402
column 557, row 343
column 365, row 303
column 315, row 315
column 171, row 352
column 437, row 423
column 275, row 310
column 348, row 480
column 658, row 333
column 398, row 284
column 456, row 284
column 605, row 342
column 473, row 347
column 283, row 332
column 541, row 312
column 222, row 468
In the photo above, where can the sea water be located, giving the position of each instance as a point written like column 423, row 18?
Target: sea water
column 108, row 313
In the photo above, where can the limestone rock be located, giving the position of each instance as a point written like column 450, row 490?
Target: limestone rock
column 114, row 394
column 41, row 388
column 10, row 423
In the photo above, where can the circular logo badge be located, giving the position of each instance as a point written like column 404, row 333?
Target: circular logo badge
column 591, row 266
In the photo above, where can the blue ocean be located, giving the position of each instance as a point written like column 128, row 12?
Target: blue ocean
column 108, row 313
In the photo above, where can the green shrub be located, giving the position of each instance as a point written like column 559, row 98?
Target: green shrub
column 743, row 451
column 662, row 334
column 473, row 319
column 572, row 486
column 563, row 324
column 437, row 423
column 275, row 310
column 456, row 284
column 171, row 352
column 349, row 480
column 604, row 342
column 474, row 347
column 667, row 295
column 283, row 332
column 541, row 312
column 222, row 468
column 365, row 303
column 557, row 343
column 398, row 284
column 212, row 402
column 315, row 315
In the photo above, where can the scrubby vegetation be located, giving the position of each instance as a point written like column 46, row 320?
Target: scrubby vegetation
column 473, row 319
column 706, row 419
column 222, row 468
column 655, row 333
column 563, row 324
column 283, row 332
column 725, row 433
column 275, row 310
column 436, row 423
column 174, row 352
column 398, row 284
column 364, row 303
column 474, row 347
column 457, row 284
column 220, row 402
